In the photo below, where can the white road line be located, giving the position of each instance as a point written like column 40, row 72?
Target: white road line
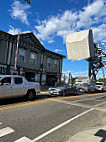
column 100, row 104
column 85, row 99
column 23, row 139
column 61, row 125
column 5, row 131
column 0, row 123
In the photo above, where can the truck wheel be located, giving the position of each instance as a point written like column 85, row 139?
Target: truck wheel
column 31, row 95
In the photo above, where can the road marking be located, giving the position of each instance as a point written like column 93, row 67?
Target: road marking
column 72, row 103
column 61, row 125
column 23, row 139
column 0, row 123
column 5, row 131
column 85, row 99
column 96, row 107
column 47, row 100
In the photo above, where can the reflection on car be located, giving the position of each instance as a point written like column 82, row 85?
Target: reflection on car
column 62, row 89
column 86, row 88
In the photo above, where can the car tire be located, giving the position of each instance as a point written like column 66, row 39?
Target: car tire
column 64, row 93
column 31, row 95
column 75, row 92
column 80, row 90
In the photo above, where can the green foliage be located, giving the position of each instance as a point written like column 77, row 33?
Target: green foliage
column 101, row 80
column 73, row 80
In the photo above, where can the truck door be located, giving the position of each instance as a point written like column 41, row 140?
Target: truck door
column 18, row 87
column 6, row 87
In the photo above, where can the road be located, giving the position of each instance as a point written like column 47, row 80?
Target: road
column 50, row 119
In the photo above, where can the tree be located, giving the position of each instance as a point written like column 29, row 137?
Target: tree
column 73, row 80
column 102, row 80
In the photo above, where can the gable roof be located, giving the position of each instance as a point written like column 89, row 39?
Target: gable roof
column 33, row 38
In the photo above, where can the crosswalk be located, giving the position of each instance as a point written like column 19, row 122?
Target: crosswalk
column 7, row 130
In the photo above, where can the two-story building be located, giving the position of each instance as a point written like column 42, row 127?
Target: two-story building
column 33, row 60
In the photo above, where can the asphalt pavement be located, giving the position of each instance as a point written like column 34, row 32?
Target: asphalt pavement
column 55, row 119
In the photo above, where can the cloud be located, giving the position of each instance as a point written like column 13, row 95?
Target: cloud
column 20, row 11
column 55, row 25
column 58, row 50
column 76, row 74
column 90, row 16
column 84, row 73
column 14, row 31
column 100, row 33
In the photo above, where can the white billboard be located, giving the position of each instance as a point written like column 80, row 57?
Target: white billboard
column 80, row 45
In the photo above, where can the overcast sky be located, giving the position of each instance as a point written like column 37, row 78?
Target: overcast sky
column 51, row 21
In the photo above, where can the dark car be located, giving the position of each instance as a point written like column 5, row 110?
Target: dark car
column 63, row 90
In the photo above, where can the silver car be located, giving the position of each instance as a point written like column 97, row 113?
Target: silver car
column 100, row 86
column 62, row 90
column 86, row 88
column 16, row 86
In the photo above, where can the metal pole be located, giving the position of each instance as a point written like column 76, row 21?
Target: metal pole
column 15, row 63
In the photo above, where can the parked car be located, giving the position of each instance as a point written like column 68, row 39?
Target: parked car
column 100, row 86
column 86, row 89
column 62, row 89
column 15, row 86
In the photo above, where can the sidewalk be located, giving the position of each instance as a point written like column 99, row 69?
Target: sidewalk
column 92, row 135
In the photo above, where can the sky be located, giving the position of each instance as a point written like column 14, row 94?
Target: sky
column 51, row 21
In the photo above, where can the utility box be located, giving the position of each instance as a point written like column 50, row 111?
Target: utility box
column 80, row 45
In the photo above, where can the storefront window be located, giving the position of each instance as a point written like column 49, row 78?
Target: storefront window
column 43, row 79
column 37, row 77
column 2, row 70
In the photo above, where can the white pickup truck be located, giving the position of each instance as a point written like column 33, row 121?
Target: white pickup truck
column 16, row 86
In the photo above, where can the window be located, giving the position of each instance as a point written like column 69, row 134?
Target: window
column 18, row 80
column 22, row 55
column 55, row 64
column 6, row 81
column 49, row 62
column 33, row 58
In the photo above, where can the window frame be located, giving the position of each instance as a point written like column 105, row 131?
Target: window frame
column 50, row 60
column 22, row 55
column 35, row 60
column 18, row 78
column 55, row 64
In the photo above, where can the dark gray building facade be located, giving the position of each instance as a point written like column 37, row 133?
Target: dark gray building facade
column 33, row 61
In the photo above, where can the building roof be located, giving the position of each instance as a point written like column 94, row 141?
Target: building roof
column 33, row 38
column 83, row 77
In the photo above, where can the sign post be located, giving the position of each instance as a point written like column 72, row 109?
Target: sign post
column 15, row 63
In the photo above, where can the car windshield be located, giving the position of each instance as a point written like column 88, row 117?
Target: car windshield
column 99, row 83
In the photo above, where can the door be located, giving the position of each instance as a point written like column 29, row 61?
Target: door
column 6, row 87
column 18, row 87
